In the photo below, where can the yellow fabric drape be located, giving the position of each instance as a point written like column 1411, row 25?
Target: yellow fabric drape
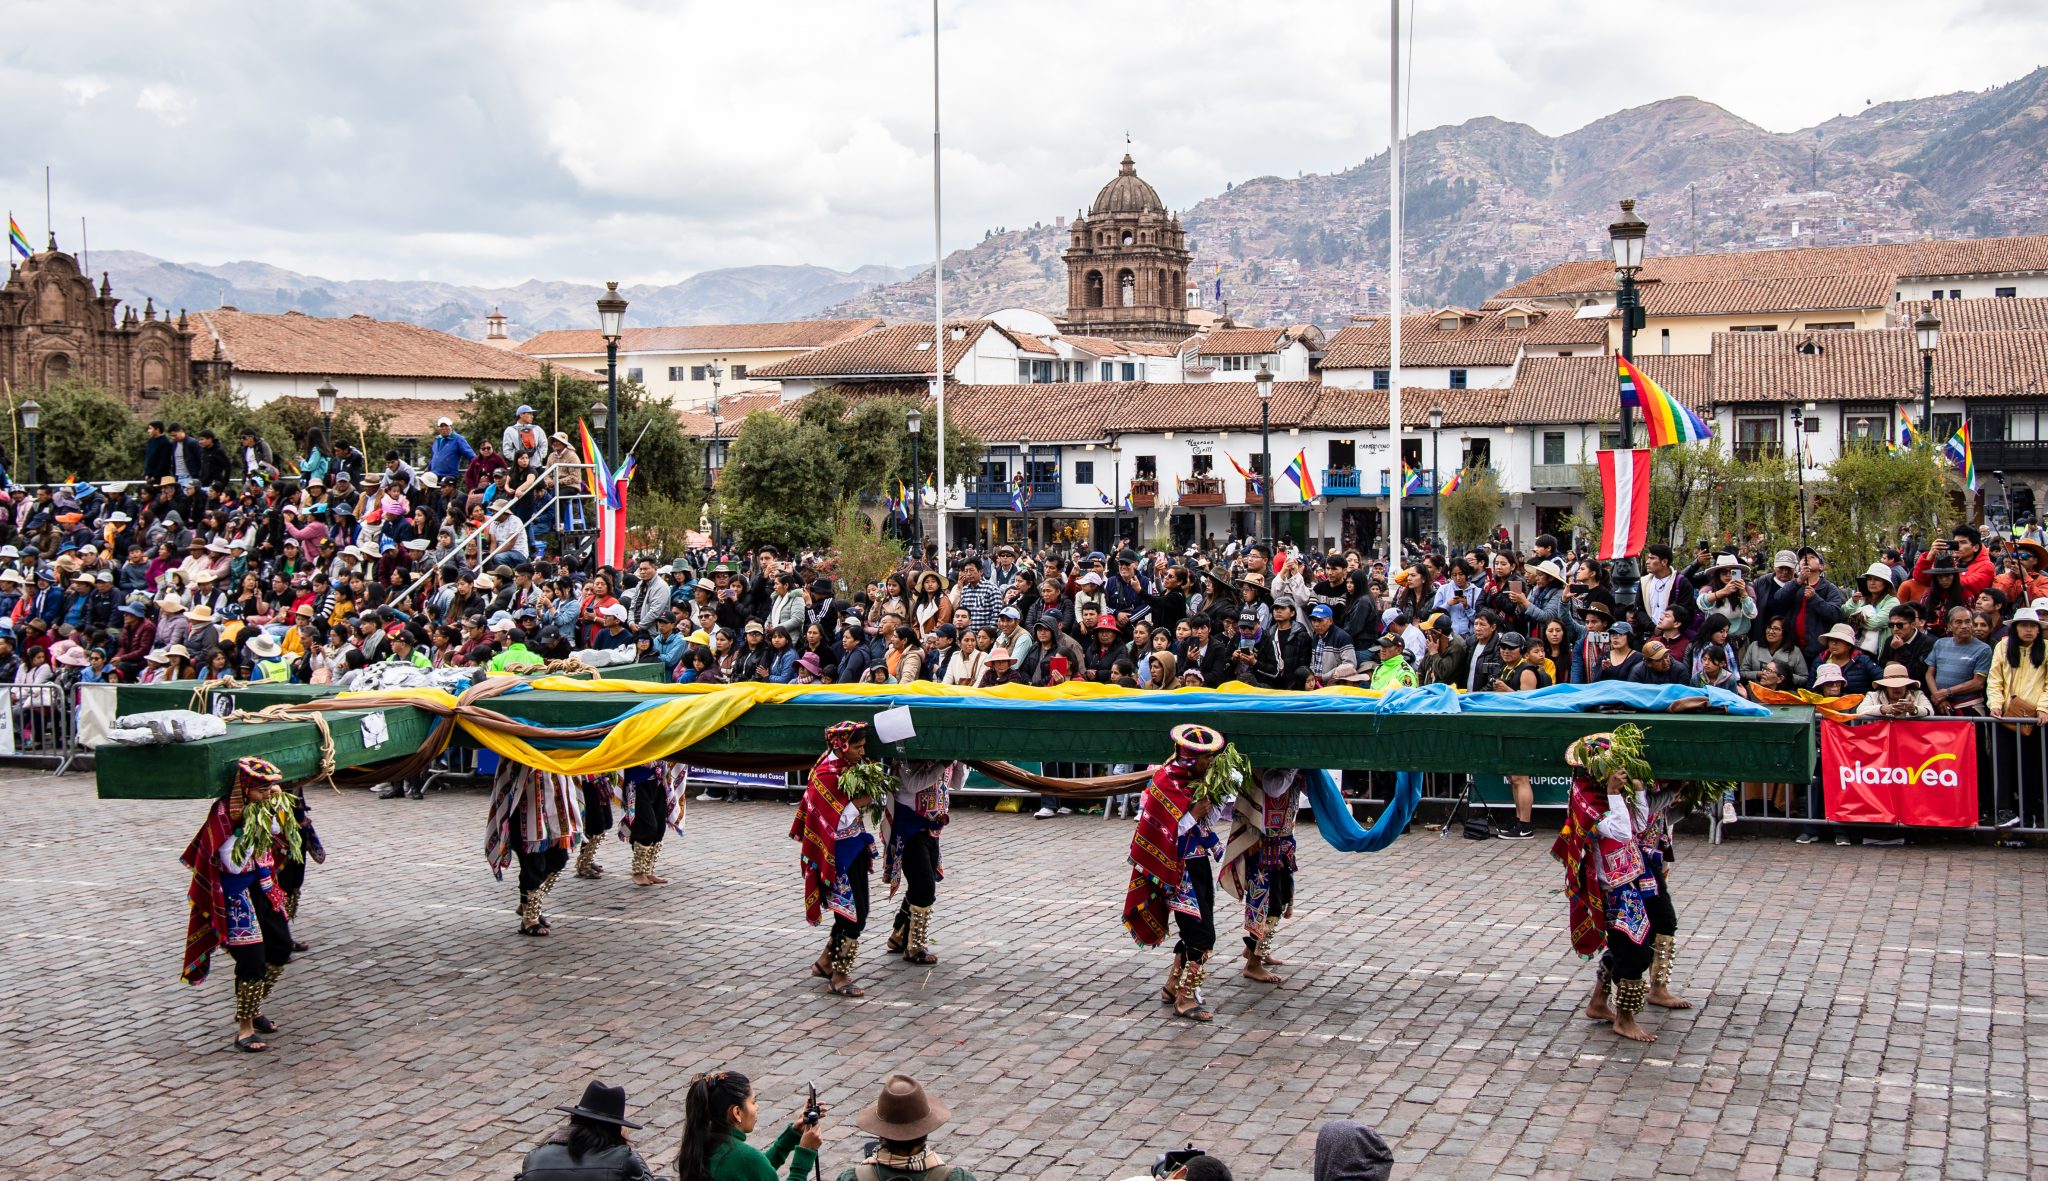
column 685, row 715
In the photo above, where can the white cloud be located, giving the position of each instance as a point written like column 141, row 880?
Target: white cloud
column 625, row 138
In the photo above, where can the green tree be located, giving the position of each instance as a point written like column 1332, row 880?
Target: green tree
column 1472, row 509
column 863, row 555
column 225, row 412
column 781, row 480
column 1869, row 494
column 660, row 524
column 83, row 431
column 295, row 421
column 1681, row 477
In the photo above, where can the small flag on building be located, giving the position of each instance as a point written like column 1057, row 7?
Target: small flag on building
column 1904, row 434
column 1958, row 451
column 17, row 239
column 1297, row 470
column 1453, row 484
column 1625, row 494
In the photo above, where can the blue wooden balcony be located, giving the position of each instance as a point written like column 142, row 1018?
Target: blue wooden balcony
column 1342, row 483
column 995, row 494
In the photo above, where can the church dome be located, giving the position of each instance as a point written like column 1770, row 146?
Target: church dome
column 1125, row 193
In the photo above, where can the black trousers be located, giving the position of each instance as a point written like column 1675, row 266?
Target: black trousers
column 251, row 959
column 597, row 811
column 1628, row 960
column 1279, row 896
column 534, row 868
column 1198, row 934
column 920, row 874
column 650, row 812
column 291, row 877
column 857, row 878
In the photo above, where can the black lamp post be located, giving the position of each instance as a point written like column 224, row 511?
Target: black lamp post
column 914, row 419
column 31, row 418
column 1436, row 473
column 1799, row 464
column 327, row 393
column 601, row 415
column 1116, row 492
column 611, row 317
column 1626, row 235
column 717, row 428
column 1928, row 329
column 1024, row 451
column 1265, row 380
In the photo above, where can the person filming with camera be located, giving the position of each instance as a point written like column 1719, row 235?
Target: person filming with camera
column 718, row 1112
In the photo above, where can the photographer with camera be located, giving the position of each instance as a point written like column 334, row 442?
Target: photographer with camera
column 1188, row 1164
column 718, row 1112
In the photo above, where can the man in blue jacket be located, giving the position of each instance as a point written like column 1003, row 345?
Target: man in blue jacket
column 451, row 451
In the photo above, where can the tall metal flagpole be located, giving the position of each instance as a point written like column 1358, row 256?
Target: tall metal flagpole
column 1394, row 476
column 938, row 300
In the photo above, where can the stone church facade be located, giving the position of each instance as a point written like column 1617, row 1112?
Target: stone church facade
column 1127, row 266
column 54, row 327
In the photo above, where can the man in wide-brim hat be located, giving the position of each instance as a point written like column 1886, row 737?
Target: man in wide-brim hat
column 903, row 1118
column 593, row 1143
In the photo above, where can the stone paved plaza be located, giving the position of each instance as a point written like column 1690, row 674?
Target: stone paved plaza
column 1878, row 1012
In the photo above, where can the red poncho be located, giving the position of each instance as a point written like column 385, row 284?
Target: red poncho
column 1577, row 847
column 816, row 827
column 1155, row 852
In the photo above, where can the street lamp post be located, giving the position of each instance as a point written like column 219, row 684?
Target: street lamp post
column 1626, row 236
column 914, row 420
column 1436, row 474
column 1265, row 380
column 717, row 426
column 1116, row 492
column 31, row 419
column 611, row 317
column 601, row 415
column 1799, row 465
column 1928, row 329
column 327, row 393
column 1024, row 492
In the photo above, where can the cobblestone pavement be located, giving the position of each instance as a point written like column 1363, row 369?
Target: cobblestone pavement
column 1870, row 1012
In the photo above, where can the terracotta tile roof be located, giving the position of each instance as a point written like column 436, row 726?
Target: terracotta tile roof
column 691, row 338
column 892, row 350
column 1975, row 315
column 1339, row 410
column 1962, row 256
column 1145, row 348
column 1486, row 341
column 1235, row 342
column 408, row 418
column 352, row 346
column 1879, row 365
column 732, row 408
column 1101, row 346
column 1054, row 412
column 1028, row 343
column 1586, row 389
column 1726, row 297
column 1214, row 405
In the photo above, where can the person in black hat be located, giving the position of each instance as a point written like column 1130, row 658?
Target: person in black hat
column 592, row 1145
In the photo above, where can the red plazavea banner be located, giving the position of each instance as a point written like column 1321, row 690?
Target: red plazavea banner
column 1919, row 772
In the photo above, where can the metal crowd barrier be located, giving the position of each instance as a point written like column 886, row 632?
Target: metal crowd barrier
column 41, row 724
column 2012, row 786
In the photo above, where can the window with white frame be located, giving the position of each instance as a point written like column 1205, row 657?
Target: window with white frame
column 677, row 372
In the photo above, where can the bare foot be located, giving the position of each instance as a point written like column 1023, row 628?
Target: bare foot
column 1664, row 998
column 1598, row 1009
column 1256, row 970
column 1627, row 1027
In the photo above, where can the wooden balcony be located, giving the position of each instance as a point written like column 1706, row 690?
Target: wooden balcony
column 1144, row 493
column 1202, row 492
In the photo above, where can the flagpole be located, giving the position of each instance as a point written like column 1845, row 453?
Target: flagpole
column 1395, row 480
column 938, row 297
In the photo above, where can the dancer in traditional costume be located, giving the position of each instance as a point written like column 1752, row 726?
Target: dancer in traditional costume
column 291, row 871
column 910, row 850
column 597, row 820
column 1664, row 913
column 1258, row 864
column 1170, row 872
column 1613, row 874
column 836, row 854
column 236, row 900
column 536, row 817
column 650, row 803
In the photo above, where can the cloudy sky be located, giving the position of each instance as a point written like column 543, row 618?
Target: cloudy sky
column 587, row 139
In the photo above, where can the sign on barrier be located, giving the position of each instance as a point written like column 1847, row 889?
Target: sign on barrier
column 1919, row 772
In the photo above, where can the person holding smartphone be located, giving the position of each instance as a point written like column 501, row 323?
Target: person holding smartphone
column 719, row 1110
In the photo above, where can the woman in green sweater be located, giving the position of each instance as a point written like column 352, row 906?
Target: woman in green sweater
column 717, row 1115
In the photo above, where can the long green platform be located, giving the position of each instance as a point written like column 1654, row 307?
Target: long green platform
column 1779, row 748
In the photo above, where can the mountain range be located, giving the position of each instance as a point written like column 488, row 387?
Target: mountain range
column 1490, row 201
column 730, row 295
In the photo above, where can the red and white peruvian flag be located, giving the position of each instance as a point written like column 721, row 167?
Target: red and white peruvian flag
column 1625, row 487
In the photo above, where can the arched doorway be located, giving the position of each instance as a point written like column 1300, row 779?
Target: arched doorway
column 57, row 369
